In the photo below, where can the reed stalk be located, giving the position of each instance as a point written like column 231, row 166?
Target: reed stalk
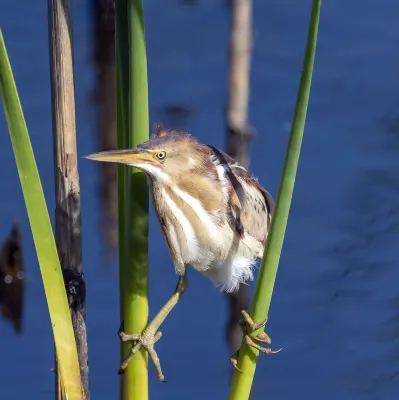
column 133, row 129
column 242, row 382
column 68, row 229
column 122, row 101
column 43, row 237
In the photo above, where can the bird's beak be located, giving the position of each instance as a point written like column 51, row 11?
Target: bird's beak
column 129, row 156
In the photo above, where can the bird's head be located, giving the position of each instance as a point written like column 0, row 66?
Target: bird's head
column 168, row 154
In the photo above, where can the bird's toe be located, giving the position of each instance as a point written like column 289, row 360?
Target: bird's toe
column 247, row 320
column 265, row 350
column 145, row 340
column 252, row 340
column 262, row 337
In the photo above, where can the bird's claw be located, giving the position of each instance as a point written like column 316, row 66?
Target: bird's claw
column 261, row 337
column 145, row 340
column 252, row 340
column 265, row 350
column 121, row 328
column 234, row 360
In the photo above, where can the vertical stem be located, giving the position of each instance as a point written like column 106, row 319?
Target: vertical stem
column 67, row 188
column 122, row 79
column 133, row 128
column 239, row 135
column 121, row 221
column 136, row 289
column 242, row 382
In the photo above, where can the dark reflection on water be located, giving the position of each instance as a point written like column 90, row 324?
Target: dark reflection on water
column 12, row 279
column 335, row 305
column 104, row 97
column 176, row 115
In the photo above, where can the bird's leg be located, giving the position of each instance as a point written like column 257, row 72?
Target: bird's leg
column 151, row 335
column 252, row 340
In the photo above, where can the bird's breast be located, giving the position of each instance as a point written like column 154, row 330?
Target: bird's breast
column 190, row 230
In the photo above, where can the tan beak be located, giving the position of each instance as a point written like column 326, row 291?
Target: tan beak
column 120, row 156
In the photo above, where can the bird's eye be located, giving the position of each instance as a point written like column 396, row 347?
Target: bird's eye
column 161, row 155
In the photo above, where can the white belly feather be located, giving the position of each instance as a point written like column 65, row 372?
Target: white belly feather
column 223, row 263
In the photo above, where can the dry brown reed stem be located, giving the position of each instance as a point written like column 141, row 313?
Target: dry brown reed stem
column 67, row 187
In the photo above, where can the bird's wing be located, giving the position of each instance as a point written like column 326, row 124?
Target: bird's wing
column 251, row 205
column 258, row 209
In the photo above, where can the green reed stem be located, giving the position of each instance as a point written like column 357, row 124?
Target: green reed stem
column 242, row 382
column 133, row 129
column 122, row 100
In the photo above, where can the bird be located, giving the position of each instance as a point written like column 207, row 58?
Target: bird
column 215, row 218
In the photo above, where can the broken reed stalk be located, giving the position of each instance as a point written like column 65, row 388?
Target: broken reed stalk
column 68, row 233
column 242, row 381
column 239, row 134
column 133, row 129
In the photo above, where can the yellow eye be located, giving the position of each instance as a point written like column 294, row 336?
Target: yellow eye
column 161, row 155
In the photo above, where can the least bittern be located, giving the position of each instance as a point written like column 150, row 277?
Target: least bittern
column 214, row 216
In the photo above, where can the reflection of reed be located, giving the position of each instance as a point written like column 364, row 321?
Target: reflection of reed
column 176, row 115
column 12, row 279
column 105, row 98
column 239, row 134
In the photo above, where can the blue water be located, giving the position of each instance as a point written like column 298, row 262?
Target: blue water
column 335, row 309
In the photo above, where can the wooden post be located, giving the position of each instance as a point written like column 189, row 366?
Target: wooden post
column 239, row 134
column 67, row 188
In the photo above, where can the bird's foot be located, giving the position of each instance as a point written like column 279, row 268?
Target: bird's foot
column 251, row 340
column 146, row 340
column 246, row 322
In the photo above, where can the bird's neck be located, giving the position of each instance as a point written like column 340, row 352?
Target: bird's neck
column 192, row 194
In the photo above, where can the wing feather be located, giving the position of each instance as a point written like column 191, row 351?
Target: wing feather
column 252, row 206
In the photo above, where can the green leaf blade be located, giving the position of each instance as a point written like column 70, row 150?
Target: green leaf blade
column 41, row 230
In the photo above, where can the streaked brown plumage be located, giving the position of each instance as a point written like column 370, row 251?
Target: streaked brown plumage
column 214, row 215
